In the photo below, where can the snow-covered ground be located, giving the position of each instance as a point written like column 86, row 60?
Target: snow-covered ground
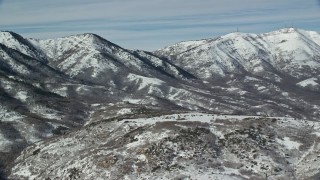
column 183, row 145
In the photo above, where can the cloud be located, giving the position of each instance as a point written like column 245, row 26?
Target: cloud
column 153, row 24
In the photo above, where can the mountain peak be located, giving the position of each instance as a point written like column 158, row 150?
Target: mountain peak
column 9, row 36
column 291, row 29
column 84, row 36
column 8, row 33
column 18, row 43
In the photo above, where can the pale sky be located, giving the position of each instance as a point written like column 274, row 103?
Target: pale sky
column 153, row 24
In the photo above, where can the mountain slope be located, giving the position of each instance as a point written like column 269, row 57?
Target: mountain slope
column 31, row 107
column 178, row 146
column 276, row 67
column 48, row 88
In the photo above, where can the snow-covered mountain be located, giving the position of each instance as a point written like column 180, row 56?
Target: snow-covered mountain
column 49, row 87
column 88, row 56
column 291, row 52
column 280, row 68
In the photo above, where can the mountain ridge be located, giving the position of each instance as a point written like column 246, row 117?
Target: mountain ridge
column 248, row 46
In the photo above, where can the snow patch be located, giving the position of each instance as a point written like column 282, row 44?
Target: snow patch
column 285, row 94
column 144, row 81
column 8, row 116
column 260, row 88
column 45, row 112
column 124, row 111
column 308, row 82
column 4, row 144
column 22, row 95
column 63, row 91
column 289, row 144
column 133, row 101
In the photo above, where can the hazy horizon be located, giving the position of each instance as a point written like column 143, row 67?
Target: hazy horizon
column 150, row 25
